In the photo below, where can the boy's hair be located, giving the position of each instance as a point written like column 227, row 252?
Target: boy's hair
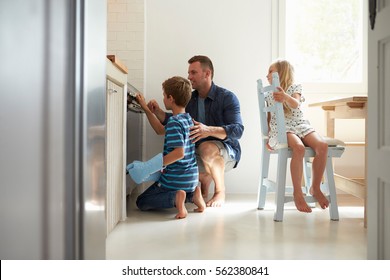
column 179, row 88
column 204, row 61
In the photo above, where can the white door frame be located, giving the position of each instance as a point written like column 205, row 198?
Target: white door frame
column 378, row 169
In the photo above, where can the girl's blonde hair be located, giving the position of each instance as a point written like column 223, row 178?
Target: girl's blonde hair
column 286, row 77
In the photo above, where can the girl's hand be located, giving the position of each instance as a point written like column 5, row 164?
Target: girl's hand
column 269, row 147
column 280, row 96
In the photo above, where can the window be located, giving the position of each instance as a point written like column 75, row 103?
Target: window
column 326, row 42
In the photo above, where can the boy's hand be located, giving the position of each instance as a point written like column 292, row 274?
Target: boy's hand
column 153, row 106
column 141, row 171
column 156, row 110
column 141, row 100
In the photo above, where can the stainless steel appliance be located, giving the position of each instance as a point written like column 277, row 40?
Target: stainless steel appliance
column 52, row 123
column 134, row 145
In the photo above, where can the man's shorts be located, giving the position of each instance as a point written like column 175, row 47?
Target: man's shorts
column 229, row 162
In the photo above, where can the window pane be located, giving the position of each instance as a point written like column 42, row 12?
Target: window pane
column 324, row 40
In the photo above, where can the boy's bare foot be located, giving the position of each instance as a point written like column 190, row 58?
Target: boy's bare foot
column 320, row 197
column 217, row 200
column 180, row 200
column 198, row 200
column 301, row 204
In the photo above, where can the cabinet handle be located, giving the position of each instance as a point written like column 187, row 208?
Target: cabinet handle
column 372, row 10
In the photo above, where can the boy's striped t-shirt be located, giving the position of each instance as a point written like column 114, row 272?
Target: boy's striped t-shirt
column 182, row 174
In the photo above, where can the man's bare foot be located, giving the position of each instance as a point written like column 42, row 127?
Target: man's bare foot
column 205, row 182
column 204, row 194
column 217, row 200
column 198, row 200
column 180, row 200
column 320, row 197
column 301, row 204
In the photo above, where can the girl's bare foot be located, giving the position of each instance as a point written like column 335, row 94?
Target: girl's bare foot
column 320, row 197
column 198, row 200
column 301, row 204
column 217, row 200
column 180, row 200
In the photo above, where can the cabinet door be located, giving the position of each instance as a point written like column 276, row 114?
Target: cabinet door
column 115, row 153
column 379, row 131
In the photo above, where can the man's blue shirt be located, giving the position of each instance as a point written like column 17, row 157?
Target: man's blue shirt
column 222, row 109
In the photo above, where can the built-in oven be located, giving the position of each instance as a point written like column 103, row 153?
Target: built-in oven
column 134, row 142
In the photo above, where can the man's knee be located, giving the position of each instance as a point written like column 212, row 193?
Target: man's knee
column 213, row 155
column 205, row 178
column 208, row 151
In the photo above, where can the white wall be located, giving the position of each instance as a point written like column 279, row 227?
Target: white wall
column 125, row 36
column 236, row 36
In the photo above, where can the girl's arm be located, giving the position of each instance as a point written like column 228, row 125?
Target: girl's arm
column 295, row 100
column 291, row 101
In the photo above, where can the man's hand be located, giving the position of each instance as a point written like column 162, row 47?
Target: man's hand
column 199, row 131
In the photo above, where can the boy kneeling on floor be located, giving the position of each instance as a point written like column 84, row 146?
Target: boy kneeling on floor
column 175, row 171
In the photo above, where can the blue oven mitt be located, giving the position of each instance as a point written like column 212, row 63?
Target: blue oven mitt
column 146, row 171
column 153, row 177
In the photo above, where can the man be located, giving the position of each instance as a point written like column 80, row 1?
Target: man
column 217, row 127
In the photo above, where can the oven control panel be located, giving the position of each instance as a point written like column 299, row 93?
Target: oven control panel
column 132, row 104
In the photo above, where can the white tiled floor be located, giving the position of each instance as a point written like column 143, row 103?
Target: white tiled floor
column 239, row 231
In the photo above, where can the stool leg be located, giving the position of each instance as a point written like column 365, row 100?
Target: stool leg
column 262, row 191
column 307, row 173
column 333, row 208
column 307, row 170
column 261, row 196
column 280, row 191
